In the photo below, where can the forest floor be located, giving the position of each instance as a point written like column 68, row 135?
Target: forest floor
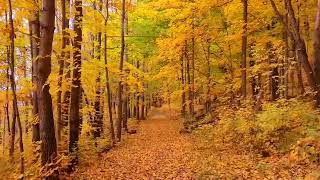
column 159, row 151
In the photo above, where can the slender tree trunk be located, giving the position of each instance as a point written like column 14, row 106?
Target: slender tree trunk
column 208, row 99
column 138, row 99
column 35, row 39
column 183, row 95
column 193, row 77
column 65, row 107
column 98, row 117
column 125, row 87
column 7, row 97
column 76, row 84
column 64, row 57
column 244, row 50
column 286, row 56
column 109, row 98
column 120, row 86
column 188, row 79
column 16, row 116
column 4, row 136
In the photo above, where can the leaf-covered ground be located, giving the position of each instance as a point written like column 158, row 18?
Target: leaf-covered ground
column 157, row 151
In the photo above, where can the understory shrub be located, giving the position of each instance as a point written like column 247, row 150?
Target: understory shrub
column 282, row 127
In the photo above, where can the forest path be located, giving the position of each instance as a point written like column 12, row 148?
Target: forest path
column 157, row 151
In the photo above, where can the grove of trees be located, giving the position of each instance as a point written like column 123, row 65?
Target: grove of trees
column 76, row 74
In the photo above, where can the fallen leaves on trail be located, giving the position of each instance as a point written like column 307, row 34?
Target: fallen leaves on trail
column 157, row 151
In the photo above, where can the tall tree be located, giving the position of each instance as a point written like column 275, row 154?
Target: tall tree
column 97, row 122
column 16, row 116
column 244, row 50
column 183, row 95
column 108, row 92
column 47, row 132
column 120, row 86
column 76, row 82
column 35, row 39
column 64, row 57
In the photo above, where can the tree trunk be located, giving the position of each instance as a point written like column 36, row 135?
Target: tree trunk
column 299, row 41
column 138, row 99
column 316, row 52
column 286, row 56
column 76, row 84
column 193, row 77
column 125, row 87
column 301, row 47
column 120, row 86
column 35, row 39
column 47, row 132
column 183, row 95
column 64, row 57
column 244, row 50
column 98, row 117
column 109, row 98
column 16, row 116
column 188, row 79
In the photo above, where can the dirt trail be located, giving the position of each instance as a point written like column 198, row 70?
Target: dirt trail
column 157, row 151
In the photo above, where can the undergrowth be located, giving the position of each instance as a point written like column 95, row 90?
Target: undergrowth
column 282, row 141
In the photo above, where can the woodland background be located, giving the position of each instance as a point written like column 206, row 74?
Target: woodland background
column 242, row 75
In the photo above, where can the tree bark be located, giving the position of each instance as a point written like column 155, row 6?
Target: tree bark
column 138, row 99
column 120, row 86
column 188, row 77
column 244, row 50
column 183, row 95
column 16, row 116
column 35, row 39
column 98, row 117
column 47, row 132
column 108, row 94
column 299, row 41
column 64, row 57
column 193, row 76
column 316, row 52
column 76, row 84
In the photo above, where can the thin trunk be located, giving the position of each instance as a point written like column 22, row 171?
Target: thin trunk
column 63, row 58
column 188, row 79
column 193, row 77
column 125, row 87
column 35, row 39
column 183, row 95
column 109, row 98
column 65, row 107
column 98, row 117
column 138, row 99
column 120, row 86
column 244, row 50
column 16, row 116
column 286, row 56
column 7, row 98
column 74, row 122
column 208, row 99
